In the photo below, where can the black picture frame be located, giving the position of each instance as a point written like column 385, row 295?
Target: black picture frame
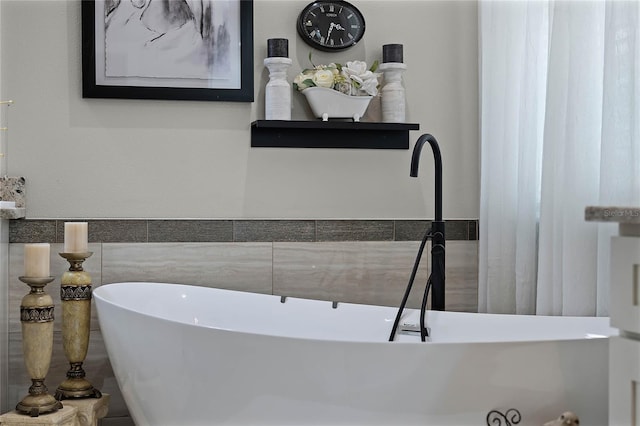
column 238, row 87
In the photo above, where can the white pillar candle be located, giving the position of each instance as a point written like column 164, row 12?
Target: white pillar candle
column 76, row 237
column 36, row 260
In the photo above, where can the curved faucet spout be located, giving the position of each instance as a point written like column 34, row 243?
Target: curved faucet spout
column 415, row 161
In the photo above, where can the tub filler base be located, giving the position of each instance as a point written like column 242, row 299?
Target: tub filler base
column 248, row 359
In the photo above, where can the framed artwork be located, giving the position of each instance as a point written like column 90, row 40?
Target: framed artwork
column 168, row 49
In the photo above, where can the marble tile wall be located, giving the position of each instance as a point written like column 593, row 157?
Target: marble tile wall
column 149, row 231
column 349, row 261
column 234, row 266
column 373, row 273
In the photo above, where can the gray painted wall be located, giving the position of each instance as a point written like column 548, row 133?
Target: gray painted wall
column 104, row 158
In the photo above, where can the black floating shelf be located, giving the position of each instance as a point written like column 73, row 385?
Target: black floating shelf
column 330, row 134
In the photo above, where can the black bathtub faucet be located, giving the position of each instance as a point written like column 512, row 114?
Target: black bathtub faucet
column 436, row 234
column 437, row 226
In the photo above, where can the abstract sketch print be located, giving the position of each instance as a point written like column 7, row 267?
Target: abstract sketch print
column 167, row 38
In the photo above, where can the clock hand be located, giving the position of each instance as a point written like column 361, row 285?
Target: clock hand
column 331, row 27
column 339, row 27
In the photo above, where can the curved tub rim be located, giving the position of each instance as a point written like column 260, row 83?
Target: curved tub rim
column 341, row 341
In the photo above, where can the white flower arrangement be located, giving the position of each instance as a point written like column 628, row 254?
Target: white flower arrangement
column 352, row 78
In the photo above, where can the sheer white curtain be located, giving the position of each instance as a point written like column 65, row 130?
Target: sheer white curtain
column 560, row 118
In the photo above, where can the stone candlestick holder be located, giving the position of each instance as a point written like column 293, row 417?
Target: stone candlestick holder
column 36, row 316
column 277, row 98
column 393, row 93
column 277, row 102
column 75, row 295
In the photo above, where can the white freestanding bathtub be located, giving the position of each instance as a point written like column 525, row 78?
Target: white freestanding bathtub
column 196, row 356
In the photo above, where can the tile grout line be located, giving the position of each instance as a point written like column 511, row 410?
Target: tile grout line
column 101, row 262
column 233, row 231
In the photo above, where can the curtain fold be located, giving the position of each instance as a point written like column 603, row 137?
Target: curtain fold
column 560, row 131
column 567, row 266
column 513, row 83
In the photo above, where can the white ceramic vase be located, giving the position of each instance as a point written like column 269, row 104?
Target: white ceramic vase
column 328, row 103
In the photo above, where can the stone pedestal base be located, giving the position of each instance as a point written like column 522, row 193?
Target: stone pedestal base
column 75, row 412
column 90, row 410
column 66, row 416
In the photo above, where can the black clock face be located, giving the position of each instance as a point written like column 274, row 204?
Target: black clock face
column 331, row 25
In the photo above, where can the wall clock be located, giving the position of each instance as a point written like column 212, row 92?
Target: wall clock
column 331, row 25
